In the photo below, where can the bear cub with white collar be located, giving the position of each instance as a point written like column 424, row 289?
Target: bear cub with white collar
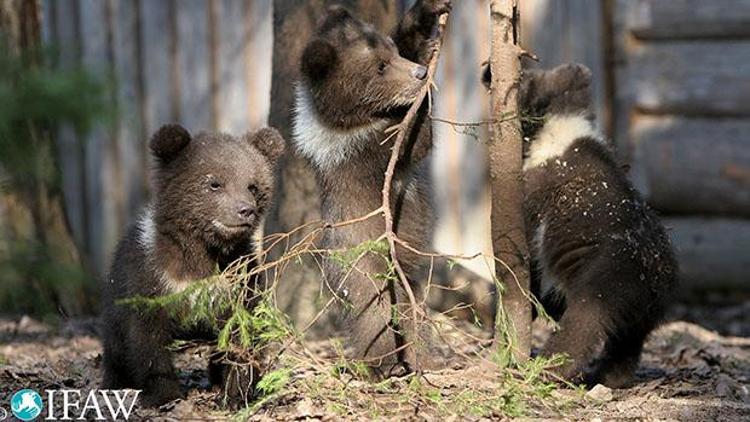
column 601, row 260
column 211, row 192
column 355, row 83
column 606, row 256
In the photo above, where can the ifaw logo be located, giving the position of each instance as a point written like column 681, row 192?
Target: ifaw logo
column 66, row 405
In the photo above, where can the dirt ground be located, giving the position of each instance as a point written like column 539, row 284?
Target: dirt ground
column 695, row 368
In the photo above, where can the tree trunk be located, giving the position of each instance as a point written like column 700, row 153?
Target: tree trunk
column 513, row 320
column 297, row 198
column 38, row 255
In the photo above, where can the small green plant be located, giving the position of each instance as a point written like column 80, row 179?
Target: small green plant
column 347, row 387
column 493, row 392
column 246, row 322
column 274, row 382
column 347, row 259
column 199, row 303
column 220, row 303
column 504, row 329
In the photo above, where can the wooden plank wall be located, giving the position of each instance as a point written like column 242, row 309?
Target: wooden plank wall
column 670, row 86
column 204, row 64
column 683, row 119
column 672, row 91
column 570, row 31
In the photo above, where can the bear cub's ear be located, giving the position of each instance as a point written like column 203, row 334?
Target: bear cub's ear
column 318, row 59
column 269, row 142
column 337, row 20
column 168, row 141
column 337, row 12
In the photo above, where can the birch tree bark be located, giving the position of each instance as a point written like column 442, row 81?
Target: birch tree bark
column 513, row 320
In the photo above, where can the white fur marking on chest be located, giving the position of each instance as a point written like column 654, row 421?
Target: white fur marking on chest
column 147, row 239
column 556, row 136
column 147, row 230
column 327, row 147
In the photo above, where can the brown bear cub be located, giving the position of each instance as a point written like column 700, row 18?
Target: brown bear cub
column 355, row 84
column 210, row 194
column 601, row 260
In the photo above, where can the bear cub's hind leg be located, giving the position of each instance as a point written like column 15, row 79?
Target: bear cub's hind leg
column 151, row 361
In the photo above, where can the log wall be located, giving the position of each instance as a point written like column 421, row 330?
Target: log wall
column 204, row 64
column 683, row 122
column 670, row 86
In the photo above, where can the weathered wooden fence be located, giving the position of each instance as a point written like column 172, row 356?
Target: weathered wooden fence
column 204, row 64
column 571, row 31
column 683, row 119
column 670, row 85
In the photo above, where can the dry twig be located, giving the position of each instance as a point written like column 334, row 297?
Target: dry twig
column 402, row 130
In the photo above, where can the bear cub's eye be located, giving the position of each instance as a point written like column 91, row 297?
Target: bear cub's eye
column 382, row 66
column 214, row 185
column 253, row 190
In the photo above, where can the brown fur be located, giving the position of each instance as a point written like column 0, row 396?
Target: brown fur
column 563, row 90
column 607, row 255
column 198, row 181
column 356, row 78
column 354, row 74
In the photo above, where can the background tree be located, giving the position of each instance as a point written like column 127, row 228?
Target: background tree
column 40, row 263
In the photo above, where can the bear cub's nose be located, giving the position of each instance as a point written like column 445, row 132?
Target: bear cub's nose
column 419, row 72
column 245, row 211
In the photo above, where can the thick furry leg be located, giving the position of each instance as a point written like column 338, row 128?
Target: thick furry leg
column 386, row 339
column 583, row 328
column 379, row 339
column 552, row 301
column 149, row 359
column 620, row 360
column 554, row 304
column 117, row 375
column 379, row 317
column 216, row 368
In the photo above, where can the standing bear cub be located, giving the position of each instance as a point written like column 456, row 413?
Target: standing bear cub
column 210, row 194
column 601, row 260
column 355, row 83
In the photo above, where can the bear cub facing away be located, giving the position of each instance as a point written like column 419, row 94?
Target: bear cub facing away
column 601, row 260
column 210, row 194
column 355, row 83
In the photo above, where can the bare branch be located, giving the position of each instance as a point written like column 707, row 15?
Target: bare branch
column 402, row 130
